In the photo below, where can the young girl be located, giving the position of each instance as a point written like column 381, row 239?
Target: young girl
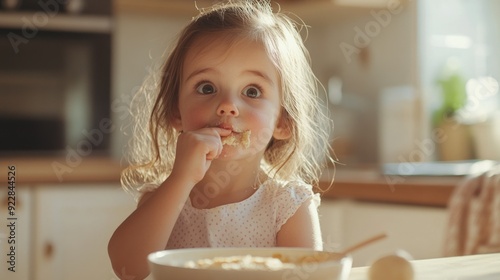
column 237, row 138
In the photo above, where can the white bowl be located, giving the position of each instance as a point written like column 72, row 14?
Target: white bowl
column 169, row 264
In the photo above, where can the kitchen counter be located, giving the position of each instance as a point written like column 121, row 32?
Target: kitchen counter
column 35, row 170
column 355, row 183
column 371, row 185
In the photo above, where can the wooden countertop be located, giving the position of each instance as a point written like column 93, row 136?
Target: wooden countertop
column 361, row 184
column 371, row 185
column 36, row 170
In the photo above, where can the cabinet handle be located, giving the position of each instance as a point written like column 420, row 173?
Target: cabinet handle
column 48, row 250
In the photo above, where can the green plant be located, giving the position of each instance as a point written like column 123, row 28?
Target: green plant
column 454, row 97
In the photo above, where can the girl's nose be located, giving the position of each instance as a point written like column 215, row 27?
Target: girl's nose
column 227, row 108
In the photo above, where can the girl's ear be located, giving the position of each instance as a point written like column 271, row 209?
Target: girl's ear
column 176, row 120
column 283, row 130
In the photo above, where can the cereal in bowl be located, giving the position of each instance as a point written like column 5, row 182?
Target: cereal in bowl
column 246, row 262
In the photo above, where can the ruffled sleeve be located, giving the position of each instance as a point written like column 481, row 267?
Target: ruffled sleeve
column 290, row 197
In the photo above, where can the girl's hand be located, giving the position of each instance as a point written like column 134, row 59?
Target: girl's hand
column 195, row 151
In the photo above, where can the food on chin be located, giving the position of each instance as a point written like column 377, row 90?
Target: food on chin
column 248, row 262
column 238, row 139
column 391, row 267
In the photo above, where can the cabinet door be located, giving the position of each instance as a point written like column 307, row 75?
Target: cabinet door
column 15, row 228
column 418, row 230
column 73, row 227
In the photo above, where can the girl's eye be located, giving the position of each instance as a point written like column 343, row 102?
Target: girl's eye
column 205, row 88
column 252, row 91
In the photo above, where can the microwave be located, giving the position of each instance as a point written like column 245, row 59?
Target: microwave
column 55, row 76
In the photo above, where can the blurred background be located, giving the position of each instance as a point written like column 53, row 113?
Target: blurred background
column 394, row 73
column 404, row 81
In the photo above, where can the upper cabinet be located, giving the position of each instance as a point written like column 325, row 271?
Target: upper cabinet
column 311, row 11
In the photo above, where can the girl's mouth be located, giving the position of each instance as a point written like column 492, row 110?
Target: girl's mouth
column 228, row 127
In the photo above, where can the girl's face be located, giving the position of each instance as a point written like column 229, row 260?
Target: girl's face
column 234, row 86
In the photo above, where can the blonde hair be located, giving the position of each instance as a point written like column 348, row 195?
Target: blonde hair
column 300, row 157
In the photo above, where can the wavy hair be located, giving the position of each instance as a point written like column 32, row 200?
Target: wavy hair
column 300, row 157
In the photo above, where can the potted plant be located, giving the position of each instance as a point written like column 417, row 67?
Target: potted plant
column 456, row 144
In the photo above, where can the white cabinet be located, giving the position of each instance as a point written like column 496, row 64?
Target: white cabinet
column 15, row 232
column 418, row 230
column 72, row 227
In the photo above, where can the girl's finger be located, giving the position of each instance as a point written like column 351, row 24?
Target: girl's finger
column 222, row 131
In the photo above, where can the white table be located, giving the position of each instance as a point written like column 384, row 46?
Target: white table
column 474, row 267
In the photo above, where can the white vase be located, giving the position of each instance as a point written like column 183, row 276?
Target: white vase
column 486, row 137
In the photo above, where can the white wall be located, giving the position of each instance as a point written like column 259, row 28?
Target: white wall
column 476, row 26
column 139, row 42
column 390, row 51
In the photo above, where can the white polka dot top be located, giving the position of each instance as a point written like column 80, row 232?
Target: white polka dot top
column 253, row 222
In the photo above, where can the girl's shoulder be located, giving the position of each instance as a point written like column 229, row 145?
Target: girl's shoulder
column 297, row 191
column 286, row 197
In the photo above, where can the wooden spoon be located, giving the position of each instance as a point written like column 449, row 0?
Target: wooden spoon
column 363, row 243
